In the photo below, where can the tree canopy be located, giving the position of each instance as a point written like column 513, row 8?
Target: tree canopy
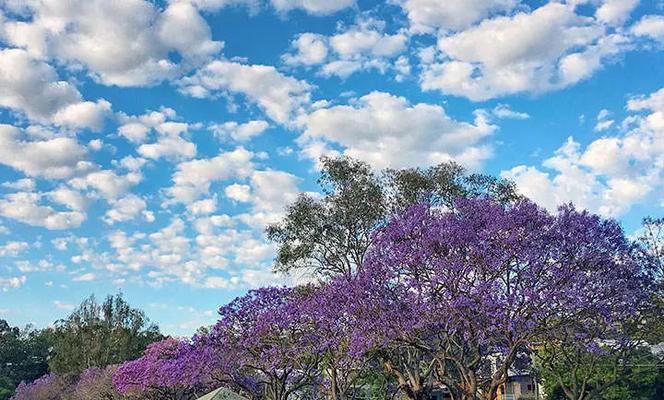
column 99, row 334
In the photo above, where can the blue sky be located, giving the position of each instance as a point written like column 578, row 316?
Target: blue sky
column 145, row 145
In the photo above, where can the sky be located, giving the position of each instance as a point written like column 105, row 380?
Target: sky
column 144, row 145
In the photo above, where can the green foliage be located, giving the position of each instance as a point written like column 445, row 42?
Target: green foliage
column 23, row 356
column 577, row 375
column 6, row 388
column 98, row 335
column 330, row 236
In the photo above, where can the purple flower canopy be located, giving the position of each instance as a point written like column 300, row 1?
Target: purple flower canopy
column 486, row 276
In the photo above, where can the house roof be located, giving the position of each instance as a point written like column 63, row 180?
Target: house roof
column 222, row 394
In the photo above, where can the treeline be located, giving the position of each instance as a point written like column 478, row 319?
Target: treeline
column 70, row 357
column 425, row 281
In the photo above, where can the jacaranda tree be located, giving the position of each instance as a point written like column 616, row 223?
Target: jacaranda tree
column 457, row 296
column 163, row 372
column 264, row 347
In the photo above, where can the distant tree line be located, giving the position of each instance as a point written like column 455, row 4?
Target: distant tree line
column 94, row 336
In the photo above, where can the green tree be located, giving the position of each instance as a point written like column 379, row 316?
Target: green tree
column 6, row 388
column 23, row 356
column 98, row 335
column 586, row 375
column 329, row 236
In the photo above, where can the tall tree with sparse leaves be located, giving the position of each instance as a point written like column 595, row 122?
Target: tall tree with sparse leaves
column 330, row 236
column 98, row 335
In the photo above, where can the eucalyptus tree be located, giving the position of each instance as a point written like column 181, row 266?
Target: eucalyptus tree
column 99, row 334
column 330, row 235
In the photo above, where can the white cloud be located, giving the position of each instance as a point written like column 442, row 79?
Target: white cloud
column 316, row 7
column 123, row 43
column 96, row 144
column 549, row 48
column 64, row 306
column 72, row 199
column 309, row 49
column 387, row 131
column 239, row 132
column 504, row 111
column 12, row 283
column 58, row 157
column 41, row 266
column 169, row 142
column 87, row 277
column 171, row 147
column 25, row 184
column 615, row 12
column 362, row 46
column 611, row 173
column 86, row 114
column 270, row 192
column 193, row 178
column 653, row 102
column 278, row 95
column 124, row 209
column 203, row 207
column 133, row 164
column 107, row 183
column 32, row 87
column 13, row 248
column 366, row 38
column 651, row 26
column 238, row 192
column 603, row 121
column 25, row 207
column 428, row 15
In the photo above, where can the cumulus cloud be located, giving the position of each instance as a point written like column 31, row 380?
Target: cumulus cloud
column 308, row 49
column 604, row 121
column 651, row 26
column 610, row 174
column 25, row 207
column 615, row 12
column 12, row 283
column 59, row 157
column 124, row 43
column 193, row 178
column 203, row 207
column 546, row 49
column 386, row 131
column 87, row 277
column 25, row 184
column 316, row 7
column 430, row 15
column 162, row 130
column 124, row 209
column 72, row 199
column 269, row 193
column 362, row 46
column 238, row 192
column 239, row 132
column 504, row 111
column 13, row 248
column 32, row 87
column 106, row 183
column 275, row 93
